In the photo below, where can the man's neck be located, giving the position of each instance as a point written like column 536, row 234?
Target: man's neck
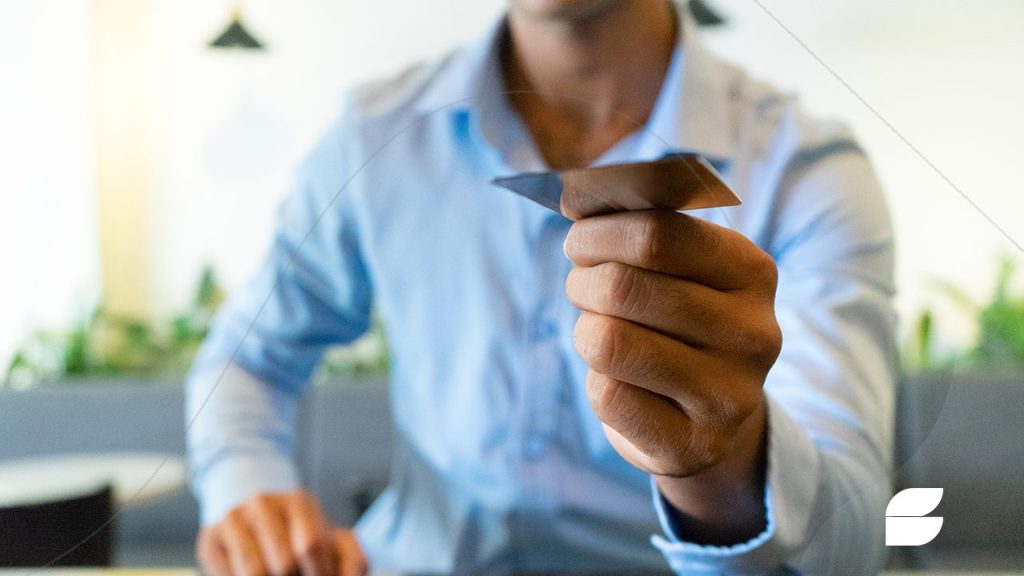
column 581, row 85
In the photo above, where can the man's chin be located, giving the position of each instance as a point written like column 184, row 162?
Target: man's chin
column 568, row 10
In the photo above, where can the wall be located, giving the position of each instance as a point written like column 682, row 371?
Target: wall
column 190, row 170
column 232, row 126
column 229, row 126
column 945, row 75
column 48, row 249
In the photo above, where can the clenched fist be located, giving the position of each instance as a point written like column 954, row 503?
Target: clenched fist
column 678, row 328
column 279, row 535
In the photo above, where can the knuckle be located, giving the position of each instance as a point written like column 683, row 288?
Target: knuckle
column 604, row 351
column 652, row 241
column 774, row 343
column 621, row 287
column 747, row 405
column 765, row 343
column 602, row 393
column 305, row 505
column 234, row 518
column 259, row 505
column 312, row 547
column 758, row 340
column 763, row 269
column 712, row 238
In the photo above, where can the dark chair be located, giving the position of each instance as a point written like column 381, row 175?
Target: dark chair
column 74, row 532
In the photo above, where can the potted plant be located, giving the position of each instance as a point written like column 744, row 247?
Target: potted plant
column 109, row 347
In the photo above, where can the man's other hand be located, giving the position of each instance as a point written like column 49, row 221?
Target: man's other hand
column 679, row 330
column 279, row 535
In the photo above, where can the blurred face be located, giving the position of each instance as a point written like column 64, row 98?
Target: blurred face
column 563, row 9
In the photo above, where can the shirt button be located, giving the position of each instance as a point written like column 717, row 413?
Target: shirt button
column 535, row 446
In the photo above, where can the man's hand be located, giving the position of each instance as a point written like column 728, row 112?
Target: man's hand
column 278, row 535
column 679, row 330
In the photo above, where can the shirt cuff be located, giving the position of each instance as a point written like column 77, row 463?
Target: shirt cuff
column 237, row 479
column 790, row 490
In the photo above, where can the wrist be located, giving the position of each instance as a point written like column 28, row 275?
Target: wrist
column 723, row 504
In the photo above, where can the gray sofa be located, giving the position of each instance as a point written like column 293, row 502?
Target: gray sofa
column 963, row 434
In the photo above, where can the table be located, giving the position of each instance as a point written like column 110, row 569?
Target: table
column 98, row 572
column 136, row 477
column 192, row 572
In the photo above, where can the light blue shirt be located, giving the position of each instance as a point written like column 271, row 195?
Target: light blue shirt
column 502, row 464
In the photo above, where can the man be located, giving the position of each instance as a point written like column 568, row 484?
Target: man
column 563, row 391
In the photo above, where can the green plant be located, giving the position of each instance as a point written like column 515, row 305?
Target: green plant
column 189, row 328
column 1001, row 338
column 1000, row 342
column 918, row 353
column 367, row 356
column 106, row 344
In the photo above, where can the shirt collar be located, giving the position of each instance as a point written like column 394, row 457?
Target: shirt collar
column 692, row 113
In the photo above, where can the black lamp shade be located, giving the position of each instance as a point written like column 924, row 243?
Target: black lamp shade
column 704, row 15
column 236, row 36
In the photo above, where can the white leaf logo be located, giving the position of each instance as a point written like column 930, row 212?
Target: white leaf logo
column 906, row 517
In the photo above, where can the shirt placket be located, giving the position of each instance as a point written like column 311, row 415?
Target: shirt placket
column 543, row 383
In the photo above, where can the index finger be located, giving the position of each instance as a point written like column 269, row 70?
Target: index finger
column 269, row 525
column 243, row 551
column 310, row 537
column 671, row 243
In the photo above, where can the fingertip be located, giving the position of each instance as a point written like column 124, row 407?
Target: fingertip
column 574, row 286
column 568, row 244
column 578, row 244
column 581, row 326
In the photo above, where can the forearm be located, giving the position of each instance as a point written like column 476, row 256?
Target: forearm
column 239, row 433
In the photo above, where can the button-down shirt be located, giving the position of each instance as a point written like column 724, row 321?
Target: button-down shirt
column 501, row 463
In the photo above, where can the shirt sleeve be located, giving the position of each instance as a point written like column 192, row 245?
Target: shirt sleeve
column 831, row 392
column 312, row 290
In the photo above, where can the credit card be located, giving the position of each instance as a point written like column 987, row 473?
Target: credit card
column 675, row 182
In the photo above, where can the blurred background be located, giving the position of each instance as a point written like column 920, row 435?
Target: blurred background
column 144, row 146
